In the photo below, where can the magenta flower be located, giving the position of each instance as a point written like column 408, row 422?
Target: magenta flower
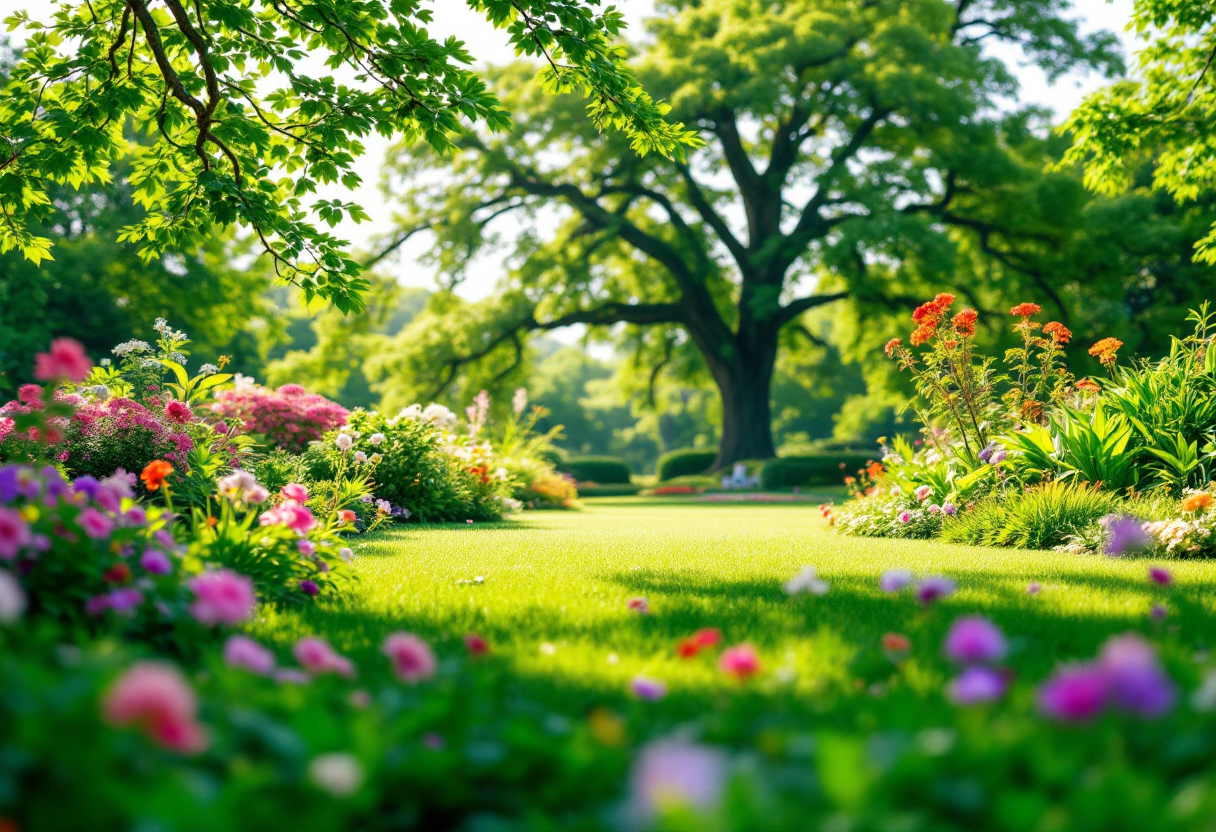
column 222, row 597
column 905, row 517
column 651, row 690
column 156, row 698
column 66, row 360
column 740, row 661
column 14, row 533
column 975, row 640
column 893, row 580
column 310, row 588
column 316, row 656
column 1076, row 693
column 178, row 412
column 675, row 773
column 976, row 685
column 934, row 588
column 412, row 658
column 245, row 653
column 291, row 514
column 1136, row 681
column 95, row 524
column 1160, row 576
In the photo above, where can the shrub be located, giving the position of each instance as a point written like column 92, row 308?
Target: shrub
column 1040, row 517
column 811, row 470
column 546, row 489
column 619, row 490
column 287, row 418
column 601, row 470
column 684, row 462
column 279, row 467
column 891, row 515
column 120, row 433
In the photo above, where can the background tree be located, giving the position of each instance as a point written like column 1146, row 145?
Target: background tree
column 845, row 142
column 242, row 123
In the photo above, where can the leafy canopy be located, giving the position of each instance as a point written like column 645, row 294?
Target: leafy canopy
column 249, row 105
column 1167, row 111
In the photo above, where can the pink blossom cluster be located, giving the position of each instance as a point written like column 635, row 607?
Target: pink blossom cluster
column 289, row 417
column 116, row 418
column 157, row 699
column 1127, row 676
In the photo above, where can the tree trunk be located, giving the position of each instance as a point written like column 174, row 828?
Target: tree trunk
column 747, row 420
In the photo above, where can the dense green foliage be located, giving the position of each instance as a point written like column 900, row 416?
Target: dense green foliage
column 684, row 462
column 601, row 470
column 1038, row 518
column 818, row 469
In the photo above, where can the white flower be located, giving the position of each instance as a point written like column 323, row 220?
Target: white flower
column 412, row 413
column 179, row 358
column 99, row 391
column 384, row 506
column 439, row 416
column 208, row 369
column 105, row 362
column 132, row 346
column 234, row 486
column 344, row 442
column 161, row 325
column 243, row 382
column 346, row 553
column 520, row 403
column 340, row 775
column 807, row 581
column 360, row 456
column 376, row 438
column 12, row 598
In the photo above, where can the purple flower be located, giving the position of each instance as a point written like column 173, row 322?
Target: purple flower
column 1158, row 612
column 950, row 509
column 244, row 652
column 997, row 457
column 309, row 588
column 1076, row 693
column 124, row 601
column 675, row 772
column 975, row 640
column 1033, row 588
column 649, row 689
column 88, row 486
column 976, row 685
column 1126, row 535
column 934, row 588
column 1160, row 576
column 307, row 548
column 95, row 524
column 1136, row 681
column 893, row 580
column 156, row 562
column 987, row 453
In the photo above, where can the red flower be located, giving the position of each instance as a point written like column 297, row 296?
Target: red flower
column 1088, row 385
column 347, row 516
column 943, row 301
column 892, row 346
column 1025, row 310
column 476, row 645
column 120, row 573
column 895, row 643
column 178, row 412
column 698, row 641
column 155, row 473
column 1058, row 332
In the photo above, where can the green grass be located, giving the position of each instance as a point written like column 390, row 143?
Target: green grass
column 553, row 607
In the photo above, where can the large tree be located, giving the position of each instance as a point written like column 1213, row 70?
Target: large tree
column 247, row 106
column 847, row 145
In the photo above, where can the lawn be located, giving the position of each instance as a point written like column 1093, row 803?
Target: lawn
column 553, row 607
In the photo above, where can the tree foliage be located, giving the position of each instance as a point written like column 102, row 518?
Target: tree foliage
column 849, row 146
column 1166, row 112
column 248, row 106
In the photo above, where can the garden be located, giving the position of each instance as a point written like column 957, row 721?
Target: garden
column 288, row 542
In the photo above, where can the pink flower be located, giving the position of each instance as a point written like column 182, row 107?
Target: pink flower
column 178, row 412
column 934, row 588
column 29, row 393
column 412, row 659
column 156, row 562
column 257, row 495
column 476, row 645
column 14, row 533
column 740, row 661
column 316, row 656
column 290, row 514
column 1033, row 588
column 975, row 640
column 651, row 690
column 1074, row 694
column 66, row 360
column 95, row 524
column 638, row 605
column 674, row 772
column 905, row 517
column 1160, row 576
column 923, row 493
column 156, row 698
column 295, row 491
column 975, row 685
column 222, row 597
column 245, row 653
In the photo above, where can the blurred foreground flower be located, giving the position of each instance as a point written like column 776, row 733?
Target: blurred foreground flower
column 740, row 661
column 12, row 598
column 807, row 582
column 156, row 698
column 675, row 774
column 412, row 659
column 340, row 775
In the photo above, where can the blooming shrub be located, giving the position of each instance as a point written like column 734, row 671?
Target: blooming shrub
column 120, row 433
column 287, row 418
column 894, row 514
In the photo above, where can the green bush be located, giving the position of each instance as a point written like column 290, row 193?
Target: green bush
column 685, row 462
column 1038, row 518
column 813, row 469
column 601, row 470
column 616, row 490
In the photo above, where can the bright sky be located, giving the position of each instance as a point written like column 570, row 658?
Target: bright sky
column 489, row 46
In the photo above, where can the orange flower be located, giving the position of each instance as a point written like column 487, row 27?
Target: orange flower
column 1058, row 332
column 1197, row 502
column 155, row 473
column 943, row 301
column 1025, row 310
column 1106, row 350
column 964, row 322
column 920, row 336
column 896, row 643
column 1088, row 385
column 874, row 470
column 892, row 346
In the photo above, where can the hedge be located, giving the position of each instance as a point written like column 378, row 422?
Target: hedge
column 684, row 462
column 601, row 470
column 812, row 469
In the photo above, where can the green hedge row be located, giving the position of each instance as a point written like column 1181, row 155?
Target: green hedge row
column 601, row 470
column 812, row 469
column 685, row 462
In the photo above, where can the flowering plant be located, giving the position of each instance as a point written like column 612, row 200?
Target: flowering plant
column 288, row 418
column 146, row 371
